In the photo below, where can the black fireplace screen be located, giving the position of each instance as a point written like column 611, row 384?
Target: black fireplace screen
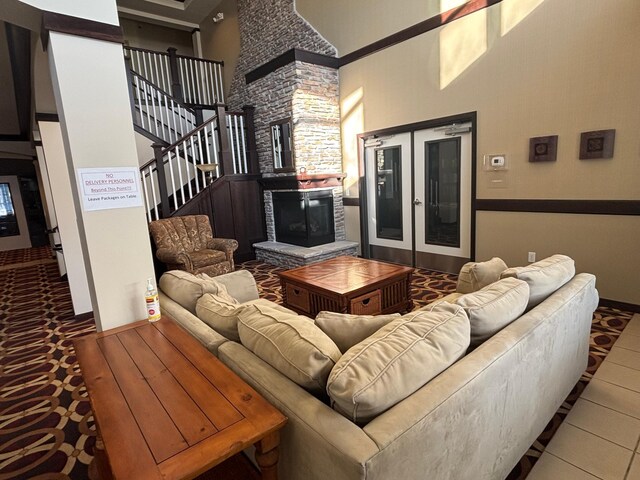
column 304, row 218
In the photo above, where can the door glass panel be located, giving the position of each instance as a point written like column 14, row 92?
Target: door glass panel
column 389, row 193
column 442, row 222
column 8, row 219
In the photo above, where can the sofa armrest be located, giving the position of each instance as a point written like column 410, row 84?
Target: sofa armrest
column 316, row 442
column 196, row 327
column 174, row 257
column 226, row 245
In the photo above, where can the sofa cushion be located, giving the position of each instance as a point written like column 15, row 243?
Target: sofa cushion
column 475, row 275
column 346, row 330
column 290, row 343
column 221, row 313
column 240, row 284
column 493, row 307
column 185, row 288
column 397, row 360
column 544, row 277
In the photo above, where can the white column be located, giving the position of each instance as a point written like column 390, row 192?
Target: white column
column 65, row 214
column 196, row 39
column 50, row 210
column 92, row 100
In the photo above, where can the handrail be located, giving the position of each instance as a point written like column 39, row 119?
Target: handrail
column 145, row 50
column 157, row 52
column 157, row 112
column 182, row 104
column 172, row 178
column 195, row 81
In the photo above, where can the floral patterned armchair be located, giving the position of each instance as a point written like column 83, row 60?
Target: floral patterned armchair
column 187, row 243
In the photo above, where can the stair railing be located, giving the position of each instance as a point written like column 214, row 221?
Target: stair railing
column 230, row 151
column 194, row 81
column 157, row 112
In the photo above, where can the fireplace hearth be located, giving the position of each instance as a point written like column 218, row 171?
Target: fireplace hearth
column 304, row 218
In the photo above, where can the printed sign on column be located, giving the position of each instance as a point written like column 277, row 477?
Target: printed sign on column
column 107, row 188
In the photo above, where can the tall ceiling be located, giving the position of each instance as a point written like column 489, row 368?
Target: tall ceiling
column 179, row 14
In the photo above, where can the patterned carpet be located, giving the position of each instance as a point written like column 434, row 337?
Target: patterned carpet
column 46, row 428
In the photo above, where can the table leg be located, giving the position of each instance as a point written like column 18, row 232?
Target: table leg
column 99, row 468
column 267, row 456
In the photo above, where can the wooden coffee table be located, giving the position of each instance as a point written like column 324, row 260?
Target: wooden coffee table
column 347, row 285
column 166, row 408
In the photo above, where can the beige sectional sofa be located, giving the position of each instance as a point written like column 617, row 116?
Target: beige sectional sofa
column 472, row 421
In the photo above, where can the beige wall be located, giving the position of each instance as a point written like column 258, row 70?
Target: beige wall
column 221, row 41
column 156, row 37
column 529, row 68
column 606, row 245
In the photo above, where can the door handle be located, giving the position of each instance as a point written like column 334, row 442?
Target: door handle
column 417, row 201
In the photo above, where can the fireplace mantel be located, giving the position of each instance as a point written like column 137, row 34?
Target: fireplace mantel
column 303, row 181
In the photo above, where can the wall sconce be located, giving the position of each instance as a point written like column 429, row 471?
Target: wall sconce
column 218, row 17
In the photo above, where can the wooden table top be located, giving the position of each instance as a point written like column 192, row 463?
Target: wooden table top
column 165, row 406
column 343, row 275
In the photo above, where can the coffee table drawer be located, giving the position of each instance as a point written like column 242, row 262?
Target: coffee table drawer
column 298, row 297
column 367, row 304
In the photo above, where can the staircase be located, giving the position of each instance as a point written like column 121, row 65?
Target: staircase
column 204, row 158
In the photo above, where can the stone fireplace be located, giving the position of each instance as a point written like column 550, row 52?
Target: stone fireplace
column 301, row 91
column 304, row 218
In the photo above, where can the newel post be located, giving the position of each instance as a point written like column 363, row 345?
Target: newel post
column 162, row 179
column 176, row 87
column 249, row 111
column 223, row 140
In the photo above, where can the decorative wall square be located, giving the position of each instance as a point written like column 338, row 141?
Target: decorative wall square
column 597, row 144
column 543, row 149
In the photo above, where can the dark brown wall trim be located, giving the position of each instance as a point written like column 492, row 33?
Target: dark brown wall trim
column 586, row 207
column 627, row 307
column 47, row 117
column 418, row 29
column 57, row 22
column 351, row 201
column 84, row 316
column 295, row 54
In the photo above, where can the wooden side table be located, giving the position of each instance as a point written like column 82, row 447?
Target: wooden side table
column 165, row 407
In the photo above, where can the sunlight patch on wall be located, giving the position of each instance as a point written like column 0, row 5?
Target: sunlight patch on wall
column 514, row 11
column 352, row 113
column 446, row 5
column 462, row 43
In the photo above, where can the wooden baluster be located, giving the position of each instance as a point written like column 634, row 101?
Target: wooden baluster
column 162, row 179
column 254, row 167
column 176, row 87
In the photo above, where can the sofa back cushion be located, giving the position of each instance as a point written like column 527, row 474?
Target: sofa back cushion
column 347, row 330
column 493, row 307
column 476, row 275
column 290, row 343
column 221, row 313
column 544, row 277
column 185, row 288
column 240, row 284
column 397, row 360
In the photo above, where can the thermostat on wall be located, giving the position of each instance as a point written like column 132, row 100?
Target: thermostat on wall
column 495, row 162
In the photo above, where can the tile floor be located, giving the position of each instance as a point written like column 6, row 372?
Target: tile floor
column 600, row 438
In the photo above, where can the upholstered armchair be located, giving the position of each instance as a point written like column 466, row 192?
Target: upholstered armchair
column 187, row 243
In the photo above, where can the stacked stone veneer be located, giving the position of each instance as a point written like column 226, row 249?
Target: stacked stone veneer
column 305, row 93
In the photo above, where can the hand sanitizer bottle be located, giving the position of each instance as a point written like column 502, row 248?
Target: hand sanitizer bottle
column 153, row 302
